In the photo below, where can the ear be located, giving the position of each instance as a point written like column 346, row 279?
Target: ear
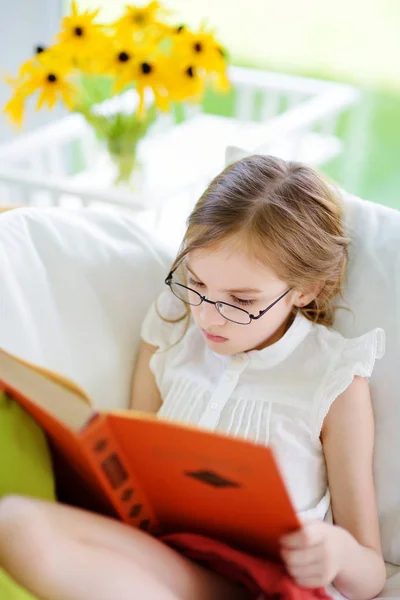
column 304, row 298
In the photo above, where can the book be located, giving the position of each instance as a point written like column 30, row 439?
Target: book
column 160, row 476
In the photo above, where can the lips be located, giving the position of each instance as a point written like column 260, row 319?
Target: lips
column 214, row 338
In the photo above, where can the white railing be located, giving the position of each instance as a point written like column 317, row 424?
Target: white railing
column 290, row 116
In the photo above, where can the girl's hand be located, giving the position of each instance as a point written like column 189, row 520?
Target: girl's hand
column 312, row 555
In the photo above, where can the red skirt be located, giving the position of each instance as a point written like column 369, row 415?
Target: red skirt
column 262, row 577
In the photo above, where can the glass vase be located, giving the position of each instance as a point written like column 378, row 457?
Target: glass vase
column 126, row 167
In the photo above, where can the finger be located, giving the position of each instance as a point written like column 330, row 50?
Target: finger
column 304, row 520
column 309, row 535
column 299, row 558
column 310, row 582
column 305, row 572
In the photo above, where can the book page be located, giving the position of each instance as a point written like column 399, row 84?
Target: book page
column 58, row 379
column 43, row 389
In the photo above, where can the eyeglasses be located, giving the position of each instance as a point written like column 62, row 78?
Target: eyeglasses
column 232, row 313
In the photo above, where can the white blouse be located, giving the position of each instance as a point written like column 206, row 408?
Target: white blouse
column 277, row 396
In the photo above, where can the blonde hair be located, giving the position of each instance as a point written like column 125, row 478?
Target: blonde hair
column 287, row 216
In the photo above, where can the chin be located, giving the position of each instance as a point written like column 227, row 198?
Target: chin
column 225, row 349
column 222, row 351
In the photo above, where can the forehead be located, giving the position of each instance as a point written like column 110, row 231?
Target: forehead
column 228, row 266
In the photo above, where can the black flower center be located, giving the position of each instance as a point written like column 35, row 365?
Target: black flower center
column 39, row 49
column 123, row 57
column 139, row 19
column 51, row 78
column 198, row 47
column 146, row 68
column 190, row 72
column 78, row 31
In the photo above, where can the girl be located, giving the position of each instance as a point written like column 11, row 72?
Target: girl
column 240, row 342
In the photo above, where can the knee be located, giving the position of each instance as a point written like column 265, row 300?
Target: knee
column 23, row 534
column 16, row 512
column 10, row 508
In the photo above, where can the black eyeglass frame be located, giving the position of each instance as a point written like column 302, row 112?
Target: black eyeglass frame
column 168, row 281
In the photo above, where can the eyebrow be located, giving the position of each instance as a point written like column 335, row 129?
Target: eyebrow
column 237, row 291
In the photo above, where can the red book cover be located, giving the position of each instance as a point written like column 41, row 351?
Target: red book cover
column 161, row 476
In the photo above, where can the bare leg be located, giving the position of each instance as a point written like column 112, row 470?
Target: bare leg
column 62, row 553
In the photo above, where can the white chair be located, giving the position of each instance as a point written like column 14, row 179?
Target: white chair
column 75, row 286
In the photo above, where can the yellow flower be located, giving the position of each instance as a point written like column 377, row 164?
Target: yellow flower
column 14, row 108
column 118, row 60
column 138, row 17
column 203, row 51
column 220, row 81
column 139, row 49
column 26, row 66
column 150, row 71
column 51, row 79
column 80, row 37
column 184, row 83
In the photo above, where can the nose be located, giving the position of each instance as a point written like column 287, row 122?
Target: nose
column 209, row 316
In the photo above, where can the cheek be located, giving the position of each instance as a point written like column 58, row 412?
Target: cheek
column 265, row 327
column 194, row 311
column 256, row 331
column 196, row 315
column 246, row 337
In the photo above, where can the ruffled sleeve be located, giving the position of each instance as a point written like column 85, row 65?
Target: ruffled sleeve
column 165, row 322
column 353, row 357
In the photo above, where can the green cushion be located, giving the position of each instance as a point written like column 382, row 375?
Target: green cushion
column 25, row 468
column 9, row 590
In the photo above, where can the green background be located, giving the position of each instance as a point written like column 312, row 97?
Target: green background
column 351, row 41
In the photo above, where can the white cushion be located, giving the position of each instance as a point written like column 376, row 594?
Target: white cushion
column 372, row 293
column 75, row 286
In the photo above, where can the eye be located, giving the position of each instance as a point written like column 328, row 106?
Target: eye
column 194, row 283
column 242, row 301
